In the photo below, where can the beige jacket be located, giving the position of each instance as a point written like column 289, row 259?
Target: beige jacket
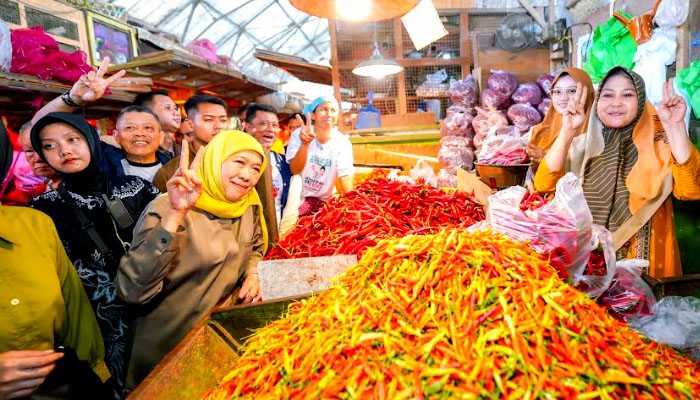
column 175, row 280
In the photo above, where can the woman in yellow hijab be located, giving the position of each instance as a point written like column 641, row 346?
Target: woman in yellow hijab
column 193, row 246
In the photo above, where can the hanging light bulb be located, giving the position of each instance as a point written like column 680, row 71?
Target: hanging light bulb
column 377, row 66
column 355, row 10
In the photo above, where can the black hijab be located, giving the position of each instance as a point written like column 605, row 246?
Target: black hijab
column 6, row 153
column 89, row 180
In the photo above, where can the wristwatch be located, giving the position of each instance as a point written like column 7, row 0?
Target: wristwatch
column 68, row 101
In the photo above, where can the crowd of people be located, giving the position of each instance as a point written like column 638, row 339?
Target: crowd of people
column 113, row 247
column 112, row 252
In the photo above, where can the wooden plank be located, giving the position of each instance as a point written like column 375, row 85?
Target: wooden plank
column 302, row 69
column 264, row 188
column 407, row 119
column 335, row 72
column 470, row 183
column 401, row 76
column 464, row 48
column 284, row 278
column 194, row 366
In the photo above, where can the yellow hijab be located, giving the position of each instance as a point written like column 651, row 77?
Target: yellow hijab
column 213, row 199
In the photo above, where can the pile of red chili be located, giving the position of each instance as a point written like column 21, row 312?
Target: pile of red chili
column 454, row 315
column 376, row 210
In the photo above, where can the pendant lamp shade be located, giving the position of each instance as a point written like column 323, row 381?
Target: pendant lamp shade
column 355, row 10
column 377, row 66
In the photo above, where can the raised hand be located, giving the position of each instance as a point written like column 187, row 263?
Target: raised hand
column 307, row 134
column 92, row 86
column 575, row 114
column 185, row 187
column 672, row 108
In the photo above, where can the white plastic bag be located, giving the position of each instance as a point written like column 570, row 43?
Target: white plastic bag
column 672, row 13
column 651, row 60
column 423, row 170
column 503, row 146
column 591, row 282
column 5, row 47
column 433, row 85
column 675, row 322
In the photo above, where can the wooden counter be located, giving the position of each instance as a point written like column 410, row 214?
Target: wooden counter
column 402, row 146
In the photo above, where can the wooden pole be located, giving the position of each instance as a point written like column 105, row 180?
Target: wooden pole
column 264, row 188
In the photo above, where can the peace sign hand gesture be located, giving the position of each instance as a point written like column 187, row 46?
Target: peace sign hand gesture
column 185, row 187
column 574, row 116
column 307, row 134
column 672, row 108
column 92, row 86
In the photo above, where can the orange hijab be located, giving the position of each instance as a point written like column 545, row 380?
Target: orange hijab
column 544, row 133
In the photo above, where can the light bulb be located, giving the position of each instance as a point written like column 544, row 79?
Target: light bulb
column 353, row 10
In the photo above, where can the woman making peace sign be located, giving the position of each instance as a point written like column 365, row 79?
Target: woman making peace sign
column 633, row 158
column 193, row 245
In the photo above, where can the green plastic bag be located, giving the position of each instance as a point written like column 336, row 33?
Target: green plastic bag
column 689, row 80
column 612, row 46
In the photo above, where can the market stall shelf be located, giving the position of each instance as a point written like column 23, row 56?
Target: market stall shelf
column 176, row 69
column 18, row 93
column 297, row 66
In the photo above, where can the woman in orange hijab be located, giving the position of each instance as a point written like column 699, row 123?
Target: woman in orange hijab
column 563, row 88
column 633, row 158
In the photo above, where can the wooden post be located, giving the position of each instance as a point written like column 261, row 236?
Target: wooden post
column 401, row 76
column 464, row 50
column 335, row 72
column 264, row 188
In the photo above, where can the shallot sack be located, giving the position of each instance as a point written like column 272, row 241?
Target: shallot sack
column 503, row 146
column 562, row 227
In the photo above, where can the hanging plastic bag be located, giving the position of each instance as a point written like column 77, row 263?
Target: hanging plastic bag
column 675, row 321
column 672, row 13
column 433, row 85
column 5, row 47
column 612, row 46
column 628, row 295
column 503, row 146
column 562, row 227
column 600, row 269
column 689, row 80
column 422, row 171
column 651, row 59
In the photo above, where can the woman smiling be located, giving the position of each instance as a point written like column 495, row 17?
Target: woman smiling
column 192, row 246
column 633, row 158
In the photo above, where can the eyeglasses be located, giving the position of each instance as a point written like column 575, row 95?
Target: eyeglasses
column 561, row 92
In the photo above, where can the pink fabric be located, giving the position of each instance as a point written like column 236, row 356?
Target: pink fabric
column 205, row 49
column 36, row 53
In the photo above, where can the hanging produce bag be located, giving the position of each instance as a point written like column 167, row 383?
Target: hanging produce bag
column 612, row 46
column 689, row 80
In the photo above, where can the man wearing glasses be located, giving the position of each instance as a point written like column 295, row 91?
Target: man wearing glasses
column 262, row 123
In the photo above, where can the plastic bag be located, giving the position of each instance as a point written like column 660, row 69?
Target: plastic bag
column 600, row 269
column 36, row 53
column 628, row 295
column 675, row 322
column 561, row 227
column 447, row 179
column 528, row 93
column 464, row 92
column 484, row 121
column 456, row 152
column 672, row 13
column 457, row 123
column 612, row 46
column 524, row 116
column 422, row 171
column 503, row 81
column 545, row 82
column 651, row 60
column 689, row 80
column 503, row 146
column 204, row 49
column 495, row 98
column 433, row 85
column 5, row 47
column 543, row 107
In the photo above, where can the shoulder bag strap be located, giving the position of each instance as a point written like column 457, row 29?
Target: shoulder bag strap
column 85, row 223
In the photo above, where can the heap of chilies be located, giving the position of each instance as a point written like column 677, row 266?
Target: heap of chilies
column 376, row 210
column 454, row 315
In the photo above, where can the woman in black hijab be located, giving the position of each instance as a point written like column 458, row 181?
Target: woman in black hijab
column 94, row 215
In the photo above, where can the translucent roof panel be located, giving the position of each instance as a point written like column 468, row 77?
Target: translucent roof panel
column 238, row 27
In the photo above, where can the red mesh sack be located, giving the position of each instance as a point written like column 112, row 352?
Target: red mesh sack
column 502, row 81
column 545, row 82
column 36, row 53
column 528, row 93
column 464, row 92
column 524, row 117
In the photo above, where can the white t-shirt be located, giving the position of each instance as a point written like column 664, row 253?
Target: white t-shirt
column 324, row 163
column 145, row 171
column 277, row 184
